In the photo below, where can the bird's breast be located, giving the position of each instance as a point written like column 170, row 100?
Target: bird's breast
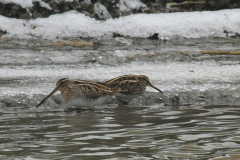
column 83, row 102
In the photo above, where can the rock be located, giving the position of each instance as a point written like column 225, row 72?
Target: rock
column 104, row 9
column 115, row 34
column 216, row 4
column 154, row 36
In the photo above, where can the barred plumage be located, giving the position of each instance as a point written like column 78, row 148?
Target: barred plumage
column 132, row 86
column 82, row 93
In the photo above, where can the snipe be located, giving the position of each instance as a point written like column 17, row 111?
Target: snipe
column 81, row 93
column 131, row 86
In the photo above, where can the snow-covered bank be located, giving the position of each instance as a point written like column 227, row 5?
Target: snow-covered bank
column 167, row 25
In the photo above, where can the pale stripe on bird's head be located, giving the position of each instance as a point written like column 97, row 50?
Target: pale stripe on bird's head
column 145, row 80
column 61, row 83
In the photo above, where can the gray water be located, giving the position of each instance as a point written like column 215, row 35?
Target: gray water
column 203, row 124
column 154, row 132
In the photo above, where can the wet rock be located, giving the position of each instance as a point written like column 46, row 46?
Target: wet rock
column 13, row 10
column 103, row 9
column 111, row 5
column 115, row 34
column 39, row 11
column 154, row 36
column 44, row 8
column 216, row 4
column 3, row 32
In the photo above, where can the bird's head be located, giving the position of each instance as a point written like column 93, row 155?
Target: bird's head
column 145, row 81
column 59, row 87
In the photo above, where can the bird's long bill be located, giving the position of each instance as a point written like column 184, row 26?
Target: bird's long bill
column 155, row 88
column 47, row 96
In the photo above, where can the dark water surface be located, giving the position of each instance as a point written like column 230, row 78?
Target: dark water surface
column 111, row 132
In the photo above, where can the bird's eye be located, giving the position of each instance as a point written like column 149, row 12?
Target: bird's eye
column 63, row 83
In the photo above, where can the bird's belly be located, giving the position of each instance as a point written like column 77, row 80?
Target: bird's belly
column 79, row 102
column 127, row 97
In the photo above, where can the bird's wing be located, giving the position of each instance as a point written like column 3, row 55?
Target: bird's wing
column 129, row 86
column 91, row 91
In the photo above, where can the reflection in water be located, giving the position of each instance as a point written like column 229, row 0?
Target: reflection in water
column 150, row 132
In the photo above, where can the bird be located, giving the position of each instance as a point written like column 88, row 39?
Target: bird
column 81, row 93
column 130, row 86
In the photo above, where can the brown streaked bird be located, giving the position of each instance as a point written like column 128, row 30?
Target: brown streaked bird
column 81, row 93
column 131, row 86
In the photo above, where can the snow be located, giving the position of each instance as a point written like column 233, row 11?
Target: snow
column 126, row 5
column 45, row 5
column 87, row 1
column 101, row 11
column 171, row 77
column 22, row 3
column 166, row 25
column 29, row 3
column 59, row 1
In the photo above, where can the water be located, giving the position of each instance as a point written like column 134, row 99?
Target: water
column 153, row 132
column 204, row 124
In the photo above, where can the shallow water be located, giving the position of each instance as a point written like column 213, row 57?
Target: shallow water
column 110, row 132
column 202, row 125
